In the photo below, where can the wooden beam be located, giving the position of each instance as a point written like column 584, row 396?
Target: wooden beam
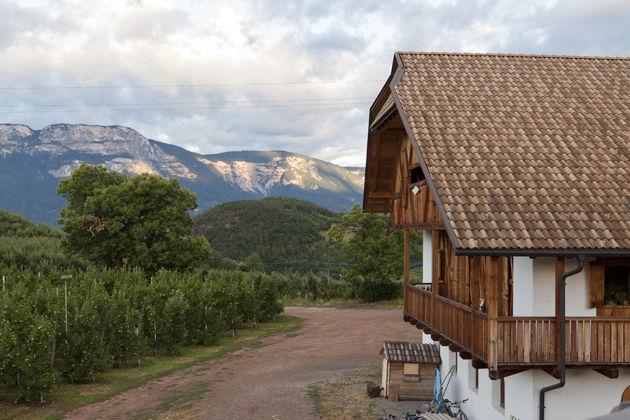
column 504, row 373
column 445, row 342
column 479, row 364
column 493, row 309
column 553, row 372
column 466, row 355
column 380, row 194
column 559, row 271
column 406, row 258
column 435, row 337
column 455, row 348
column 426, row 330
column 609, row 373
column 419, row 226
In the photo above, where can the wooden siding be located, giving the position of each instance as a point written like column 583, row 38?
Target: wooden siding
column 421, row 390
column 465, row 279
column 521, row 341
column 414, row 211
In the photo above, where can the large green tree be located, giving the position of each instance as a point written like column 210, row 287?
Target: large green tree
column 140, row 221
column 375, row 251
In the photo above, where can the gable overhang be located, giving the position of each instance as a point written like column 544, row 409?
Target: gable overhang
column 382, row 110
column 397, row 76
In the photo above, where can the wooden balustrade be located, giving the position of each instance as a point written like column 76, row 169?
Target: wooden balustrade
column 457, row 322
column 526, row 340
column 598, row 340
column 522, row 340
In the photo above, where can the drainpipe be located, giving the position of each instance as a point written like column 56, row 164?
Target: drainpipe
column 561, row 320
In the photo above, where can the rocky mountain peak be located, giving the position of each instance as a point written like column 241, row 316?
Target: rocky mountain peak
column 33, row 161
column 12, row 137
column 93, row 139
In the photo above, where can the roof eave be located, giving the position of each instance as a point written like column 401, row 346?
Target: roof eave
column 542, row 252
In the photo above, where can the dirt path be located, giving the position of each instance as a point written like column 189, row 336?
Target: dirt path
column 270, row 382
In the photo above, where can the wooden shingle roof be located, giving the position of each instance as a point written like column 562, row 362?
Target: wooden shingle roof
column 402, row 351
column 524, row 153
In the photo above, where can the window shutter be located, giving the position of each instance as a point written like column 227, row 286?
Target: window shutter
column 595, row 285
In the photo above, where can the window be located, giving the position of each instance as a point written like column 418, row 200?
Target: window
column 411, row 372
column 609, row 283
column 416, row 175
column 617, row 284
column 452, row 360
column 473, row 377
column 498, row 395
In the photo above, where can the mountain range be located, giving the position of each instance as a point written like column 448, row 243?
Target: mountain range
column 33, row 161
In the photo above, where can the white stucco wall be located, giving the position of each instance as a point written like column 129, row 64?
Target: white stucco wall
column 586, row 393
column 535, row 290
column 523, row 289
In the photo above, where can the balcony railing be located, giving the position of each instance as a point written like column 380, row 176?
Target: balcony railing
column 590, row 341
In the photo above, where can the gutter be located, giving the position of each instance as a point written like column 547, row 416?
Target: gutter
column 543, row 252
column 562, row 334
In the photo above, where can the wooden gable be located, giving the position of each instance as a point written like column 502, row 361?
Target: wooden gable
column 395, row 182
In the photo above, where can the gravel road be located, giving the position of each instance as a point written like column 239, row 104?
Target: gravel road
column 270, row 382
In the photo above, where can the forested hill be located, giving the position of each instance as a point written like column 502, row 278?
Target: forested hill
column 14, row 225
column 287, row 233
column 24, row 244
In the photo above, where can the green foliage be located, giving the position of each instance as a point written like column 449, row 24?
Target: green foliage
column 25, row 343
column 141, row 221
column 316, row 287
column 81, row 354
column 377, row 253
column 12, row 224
column 116, row 316
column 26, row 245
column 287, row 234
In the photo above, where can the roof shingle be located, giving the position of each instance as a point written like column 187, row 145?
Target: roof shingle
column 525, row 152
column 402, row 351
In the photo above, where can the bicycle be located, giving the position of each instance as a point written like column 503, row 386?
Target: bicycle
column 446, row 406
column 456, row 405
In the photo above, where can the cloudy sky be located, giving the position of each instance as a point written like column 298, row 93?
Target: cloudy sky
column 213, row 76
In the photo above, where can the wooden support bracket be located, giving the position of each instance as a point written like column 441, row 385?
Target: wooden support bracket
column 504, row 373
column 445, row 342
column 609, row 373
column 553, row 372
column 426, row 330
column 435, row 337
column 455, row 348
column 479, row 364
column 466, row 355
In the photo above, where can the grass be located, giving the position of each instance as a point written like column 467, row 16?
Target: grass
column 66, row 397
column 314, row 393
column 344, row 398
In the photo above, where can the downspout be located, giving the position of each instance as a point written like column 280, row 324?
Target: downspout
column 561, row 321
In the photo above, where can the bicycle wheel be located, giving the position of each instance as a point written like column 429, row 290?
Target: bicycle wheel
column 462, row 415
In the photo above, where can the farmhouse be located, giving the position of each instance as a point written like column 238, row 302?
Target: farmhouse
column 517, row 170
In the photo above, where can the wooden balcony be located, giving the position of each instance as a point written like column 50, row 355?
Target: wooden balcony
column 521, row 342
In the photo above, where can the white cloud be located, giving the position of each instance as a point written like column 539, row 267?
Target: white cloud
column 227, row 68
